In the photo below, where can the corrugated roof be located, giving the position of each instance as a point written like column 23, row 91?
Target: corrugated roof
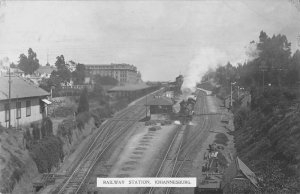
column 45, row 69
column 236, row 169
column 16, row 70
column 247, row 172
column 19, row 88
column 129, row 87
column 159, row 101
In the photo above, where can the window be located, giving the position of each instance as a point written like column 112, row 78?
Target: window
column 6, row 107
column 28, row 108
column 18, row 106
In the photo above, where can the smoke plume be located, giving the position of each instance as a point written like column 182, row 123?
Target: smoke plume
column 206, row 58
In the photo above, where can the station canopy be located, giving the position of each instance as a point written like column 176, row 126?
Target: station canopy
column 129, row 87
column 153, row 100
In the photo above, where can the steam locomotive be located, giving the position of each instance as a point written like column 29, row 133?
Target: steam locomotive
column 186, row 111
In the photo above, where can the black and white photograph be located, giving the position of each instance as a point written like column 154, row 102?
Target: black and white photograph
column 150, row 97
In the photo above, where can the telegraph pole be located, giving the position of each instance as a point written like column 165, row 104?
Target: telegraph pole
column 146, row 105
column 263, row 80
column 230, row 95
column 231, row 83
column 263, row 68
column 9, row 97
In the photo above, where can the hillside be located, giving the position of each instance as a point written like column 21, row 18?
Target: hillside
column 16, row 166
column 267, row 136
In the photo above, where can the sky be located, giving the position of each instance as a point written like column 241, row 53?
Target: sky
column 161, row 38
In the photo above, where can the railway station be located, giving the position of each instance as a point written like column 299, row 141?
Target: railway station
column 131, row 91
column 159, row 106
column 150, row 97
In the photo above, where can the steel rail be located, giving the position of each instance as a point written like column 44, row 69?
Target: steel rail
column 108, row 142
column 98, row 155
column 164, row 159
column 79, row 177
column 91, row 151
column 191, row 144
column 176, row 160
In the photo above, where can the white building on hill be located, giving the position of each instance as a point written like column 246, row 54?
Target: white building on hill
column 28, row 102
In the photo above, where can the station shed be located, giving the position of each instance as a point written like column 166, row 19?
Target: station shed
column 131, row 91
column 159, row 104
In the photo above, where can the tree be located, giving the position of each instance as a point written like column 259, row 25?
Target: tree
column 28, row 63
column 293, row 74
column 54, row 81
column 79, row 74
column 36, row 132
column 46, row 84
column 63, row 74
column 47, row 127
column 83, row 101
column 105, row 80
column 98, row 91
column 28, row 138
column 60, row 62
column 275, row 54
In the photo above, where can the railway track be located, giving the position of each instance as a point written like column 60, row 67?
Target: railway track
column 180, row 147
column 109, row 132
column 170, row 159
column 190, row 145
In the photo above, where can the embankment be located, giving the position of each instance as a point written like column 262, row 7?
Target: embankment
column 267, row 136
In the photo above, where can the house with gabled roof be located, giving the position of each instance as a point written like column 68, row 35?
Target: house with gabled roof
column 44, row 71
column 27, row 102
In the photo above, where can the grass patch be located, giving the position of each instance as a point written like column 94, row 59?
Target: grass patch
column 221, row 138
column 64, row 111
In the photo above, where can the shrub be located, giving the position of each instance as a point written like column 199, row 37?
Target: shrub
column 36, row 132
column 82, row 118
column 47, row 127
column 240, row 116
column 64, row 111
column 83, row 101
column 289, row 95
column 65, row 129
column 47, row 153
column 221, row 139
column 1, row 129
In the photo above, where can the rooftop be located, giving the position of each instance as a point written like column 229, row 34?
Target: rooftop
column 129, row 87
column 111, row 66
column 16, row 70
column 247, row 172
column 20, row 88
column 45, row 69
column 159, row 101
column 238, row 169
